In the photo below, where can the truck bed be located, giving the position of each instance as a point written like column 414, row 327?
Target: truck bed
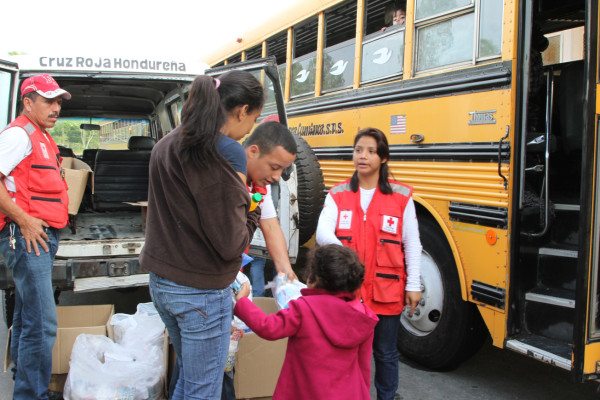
column 105, row 225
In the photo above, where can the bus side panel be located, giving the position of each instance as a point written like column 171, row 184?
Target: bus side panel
column 440, row 180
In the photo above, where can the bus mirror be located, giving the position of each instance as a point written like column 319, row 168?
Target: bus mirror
column 89, row 127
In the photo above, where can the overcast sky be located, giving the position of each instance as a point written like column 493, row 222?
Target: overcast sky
column 175, row 28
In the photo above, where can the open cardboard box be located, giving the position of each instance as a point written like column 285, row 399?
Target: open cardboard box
column 77, row 174
column 259, row 361
column 72, row 321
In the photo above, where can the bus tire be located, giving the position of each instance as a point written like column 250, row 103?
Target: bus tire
column 311, row 189
column 447, row 330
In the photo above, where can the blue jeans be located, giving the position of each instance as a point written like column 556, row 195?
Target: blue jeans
column 257, row 276
column 199, row 325
column 228, row 388
column 385, row 354
column 34, row 319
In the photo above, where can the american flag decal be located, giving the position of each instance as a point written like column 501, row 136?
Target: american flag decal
column 398, row 124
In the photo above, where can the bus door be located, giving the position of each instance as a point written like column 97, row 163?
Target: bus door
column 556, row 127
column 587, row 360
column 8, row 91
column 284, row 192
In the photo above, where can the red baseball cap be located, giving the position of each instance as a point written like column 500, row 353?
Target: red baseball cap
column 45, row 86
column 272, row 117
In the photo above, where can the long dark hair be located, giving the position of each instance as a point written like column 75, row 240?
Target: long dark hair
column 202, row 117
column 383, row 151
column 238, row 88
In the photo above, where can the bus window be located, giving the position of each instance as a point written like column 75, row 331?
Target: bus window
column 235, row 59
column 305, row 59
column 490, row 28
column 338, row 56
column 445, row 32
column 254, row 53
column 277, row 46
column 383, row 50
column 447, row 42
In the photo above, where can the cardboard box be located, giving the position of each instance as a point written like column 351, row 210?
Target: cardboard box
column 144, row 206
column 73, row 321
column 259, row 361
column 7, row 357
column 77, row 174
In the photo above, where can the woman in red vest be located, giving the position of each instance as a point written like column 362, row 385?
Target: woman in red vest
column 375, row 216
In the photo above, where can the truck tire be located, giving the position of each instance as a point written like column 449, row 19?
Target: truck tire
column 311, row 189
column 447, row 330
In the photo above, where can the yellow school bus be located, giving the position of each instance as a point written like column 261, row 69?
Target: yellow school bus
column 491, row 112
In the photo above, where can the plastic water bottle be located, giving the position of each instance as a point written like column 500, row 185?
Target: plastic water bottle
column 256, row 198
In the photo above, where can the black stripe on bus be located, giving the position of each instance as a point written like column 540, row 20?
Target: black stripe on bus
column 485, row 77
column 488, row 294
column 461, row 152
column 476, row 214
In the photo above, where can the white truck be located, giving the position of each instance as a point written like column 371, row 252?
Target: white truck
column 122, row 107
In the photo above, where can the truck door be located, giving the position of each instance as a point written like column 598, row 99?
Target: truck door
column 285, row 192
column 8, row 92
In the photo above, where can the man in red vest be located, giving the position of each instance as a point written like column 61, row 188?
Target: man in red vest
column 33, row 207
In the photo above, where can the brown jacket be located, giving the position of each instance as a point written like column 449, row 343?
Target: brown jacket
column 198, row 224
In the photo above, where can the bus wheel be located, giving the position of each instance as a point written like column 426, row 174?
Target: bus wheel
column 444, row 330
column 311, row 190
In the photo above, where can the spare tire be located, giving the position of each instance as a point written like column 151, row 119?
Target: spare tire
column 311, row 189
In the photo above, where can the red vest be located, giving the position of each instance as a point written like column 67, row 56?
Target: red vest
column 377, row 239
column 41, row 189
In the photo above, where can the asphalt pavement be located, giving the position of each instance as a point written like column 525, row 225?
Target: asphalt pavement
column 492, row 373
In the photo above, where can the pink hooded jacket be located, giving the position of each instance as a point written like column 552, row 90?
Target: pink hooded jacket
column 329, row 348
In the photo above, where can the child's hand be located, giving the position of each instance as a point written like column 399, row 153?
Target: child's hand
column 243, row 292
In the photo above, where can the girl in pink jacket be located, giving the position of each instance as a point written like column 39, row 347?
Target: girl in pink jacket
column 330, row 331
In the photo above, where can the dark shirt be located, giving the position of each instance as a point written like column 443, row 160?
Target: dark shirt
column 233, row 152
column 198, row 223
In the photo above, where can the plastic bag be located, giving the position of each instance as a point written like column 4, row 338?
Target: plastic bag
column 144, row 328
column 130, row 368
column 102, row 369
column 285, row 290
column 236, row 322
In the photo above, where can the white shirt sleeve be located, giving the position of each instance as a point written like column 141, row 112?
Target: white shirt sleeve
column 327, row 223
column 267, row 207
column 411, row 243
column 14, row 147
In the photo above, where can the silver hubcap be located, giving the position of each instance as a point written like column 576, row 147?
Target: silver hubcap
column 427, row 314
